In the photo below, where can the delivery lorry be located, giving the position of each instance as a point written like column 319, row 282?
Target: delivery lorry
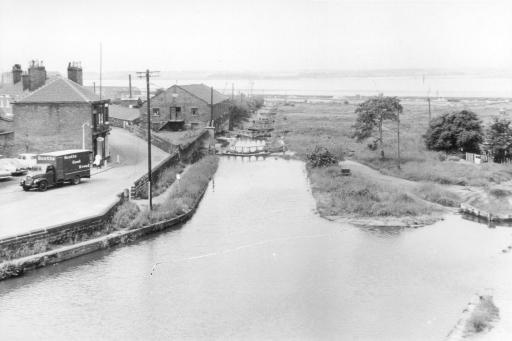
column 56, row 168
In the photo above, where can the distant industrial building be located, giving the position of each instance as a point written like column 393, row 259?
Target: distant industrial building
column 187, row 107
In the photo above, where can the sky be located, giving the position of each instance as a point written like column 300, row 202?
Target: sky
column 262, row 35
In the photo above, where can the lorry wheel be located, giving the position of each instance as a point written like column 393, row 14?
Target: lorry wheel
column 76, row 180
column 26, row 188
column 43, row 186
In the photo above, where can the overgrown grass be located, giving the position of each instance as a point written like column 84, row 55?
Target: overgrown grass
column 483, row 316
column 362, row 196
column 167, row 178
column 307, row 125
column 182, row 198
column 434, row 193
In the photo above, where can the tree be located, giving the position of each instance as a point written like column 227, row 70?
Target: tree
column 456, row 131
column 370, row 117
column 159, row 91
column 238, row 113
column 498, row 139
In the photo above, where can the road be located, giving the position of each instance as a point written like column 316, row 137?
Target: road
column 26, row 211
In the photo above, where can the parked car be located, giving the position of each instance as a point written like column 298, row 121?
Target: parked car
column 4, row 174
column 29, row 160
column 13, row 166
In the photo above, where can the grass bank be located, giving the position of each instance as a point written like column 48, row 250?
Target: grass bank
column 182, row 197
column 360, row 198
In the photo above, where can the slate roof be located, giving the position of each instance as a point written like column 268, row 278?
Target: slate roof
column 203, row 92
column 12, row 90
column 123, row 113
column 61, row 90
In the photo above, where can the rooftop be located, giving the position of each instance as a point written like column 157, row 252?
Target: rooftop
column 61, row 90
column 65, row 152
column 203, row 92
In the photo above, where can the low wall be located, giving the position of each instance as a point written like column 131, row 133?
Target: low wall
column 468, row 209
column 19, row 266
column 139, row 187
column 155, row 140
column 45, row 239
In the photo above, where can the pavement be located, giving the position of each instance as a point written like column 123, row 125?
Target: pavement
column 22, row 212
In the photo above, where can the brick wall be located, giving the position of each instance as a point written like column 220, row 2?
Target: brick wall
column 48, row 127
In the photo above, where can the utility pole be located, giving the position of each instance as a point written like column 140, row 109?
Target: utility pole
column 147, row 74
column 398, row 136
column 211, row 106
column 130, row 84
column 232, row 92
column 429, row 113
column 101, row 67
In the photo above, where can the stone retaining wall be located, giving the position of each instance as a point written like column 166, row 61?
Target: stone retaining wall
column 37, row 241
column 468, row 209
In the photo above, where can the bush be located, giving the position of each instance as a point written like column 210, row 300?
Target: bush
column 483, row 315
column 321, row 157
column 125, row 215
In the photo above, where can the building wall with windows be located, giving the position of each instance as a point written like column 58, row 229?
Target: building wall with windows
column 177, row 104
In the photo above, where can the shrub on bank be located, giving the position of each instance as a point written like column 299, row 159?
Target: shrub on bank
column 322, row 157
column 483, row 316
column 125, row 215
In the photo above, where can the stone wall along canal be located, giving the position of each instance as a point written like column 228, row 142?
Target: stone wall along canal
column 257, row 262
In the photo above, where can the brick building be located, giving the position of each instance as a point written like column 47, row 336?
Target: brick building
column 62, row 115
column 187, row 106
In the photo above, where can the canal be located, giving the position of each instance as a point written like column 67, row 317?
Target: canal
column 256, row 262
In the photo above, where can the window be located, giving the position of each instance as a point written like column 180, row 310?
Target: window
column 156, row 111
column 194, row 111
column 174, row 113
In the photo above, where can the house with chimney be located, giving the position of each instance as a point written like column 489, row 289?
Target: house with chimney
column 191, row 106
column 62, row 115
column 18, row 83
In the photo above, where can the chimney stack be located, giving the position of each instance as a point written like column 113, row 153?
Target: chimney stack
column 75, row 72
column 25, row 80
column 37, row 74
column 16, row 73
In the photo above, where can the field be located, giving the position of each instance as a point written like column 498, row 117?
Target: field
column 306, row 125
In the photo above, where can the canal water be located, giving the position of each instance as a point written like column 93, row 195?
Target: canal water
column 257, row 262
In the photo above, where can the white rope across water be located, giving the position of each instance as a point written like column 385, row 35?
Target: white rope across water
column 241, row 247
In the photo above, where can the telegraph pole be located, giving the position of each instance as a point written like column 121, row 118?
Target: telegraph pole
column 211, row 106
column 429, row 113
column 101, row 68
column 398, row 136
column 147, row 74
